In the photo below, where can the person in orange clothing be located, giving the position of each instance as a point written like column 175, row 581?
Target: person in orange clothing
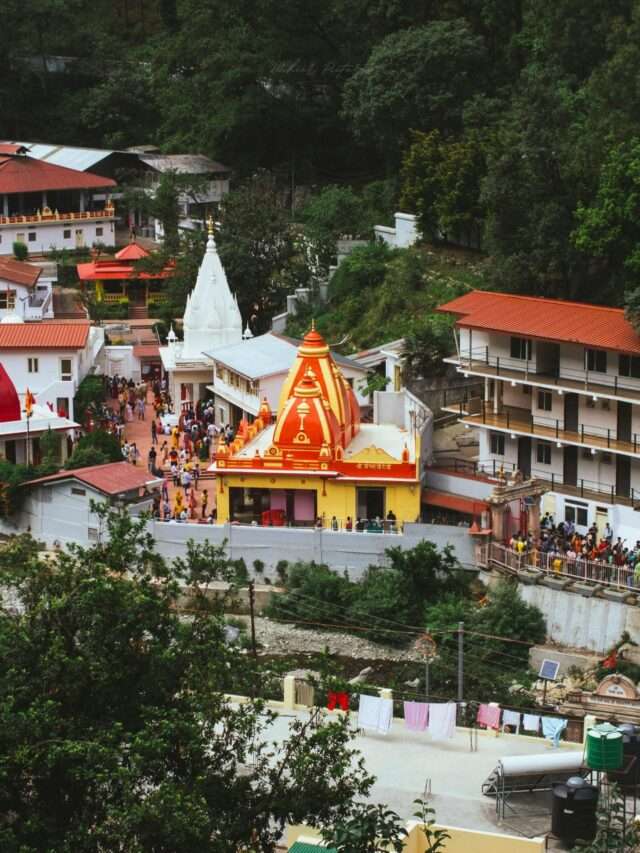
column 175, row 437
column 178, row 504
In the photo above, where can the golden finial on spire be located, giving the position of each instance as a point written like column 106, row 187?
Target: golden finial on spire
column 313, row 325
column 210, row 225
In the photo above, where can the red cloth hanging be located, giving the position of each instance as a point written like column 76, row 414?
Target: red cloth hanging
column 612, row 661
column 341, row 700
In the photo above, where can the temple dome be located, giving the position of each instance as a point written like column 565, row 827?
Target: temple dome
column 9, row 400
column 212, row 317
column 314, row 355
column 307, row 421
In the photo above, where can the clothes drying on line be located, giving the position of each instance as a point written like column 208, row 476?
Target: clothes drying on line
column 511, row 718
column 552, row 727
column 489, row 716
column 337, row 700
column 416, row 715
column 531, row 722
column 442, row 720
column 375, row 714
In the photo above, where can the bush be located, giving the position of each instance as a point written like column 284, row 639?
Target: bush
column 101, row 440
column 82, row 457
column 90, row 396
column 382, row 599
column 20, row 251
column 314, row 593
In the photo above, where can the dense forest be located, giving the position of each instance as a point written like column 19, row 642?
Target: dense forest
column 510, row 125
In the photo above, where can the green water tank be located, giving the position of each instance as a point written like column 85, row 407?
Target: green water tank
column 604, row 748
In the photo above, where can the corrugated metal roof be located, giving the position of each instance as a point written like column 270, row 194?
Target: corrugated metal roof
column 183, row 164
column 110, row 479
column 547, row 319
column 43, row 335
column 69, row 156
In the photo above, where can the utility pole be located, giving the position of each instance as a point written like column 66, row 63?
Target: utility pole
column 252, row 598
column 460, row 661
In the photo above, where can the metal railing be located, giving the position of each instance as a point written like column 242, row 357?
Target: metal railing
column 548, row 374
column 493, row 469
column 597, row 572
column 522, row 420
column 55, row 216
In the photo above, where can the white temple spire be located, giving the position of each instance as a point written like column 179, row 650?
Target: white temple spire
column 212, row 317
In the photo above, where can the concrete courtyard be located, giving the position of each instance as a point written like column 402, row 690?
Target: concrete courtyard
column 403, row 761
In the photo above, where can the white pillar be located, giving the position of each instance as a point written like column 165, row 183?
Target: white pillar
column 495, row 396
column 5, row 205
column 82, row 201
column 289, row 692
column 44, row 200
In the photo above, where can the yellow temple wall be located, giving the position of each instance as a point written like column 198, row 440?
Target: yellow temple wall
column 334, row 498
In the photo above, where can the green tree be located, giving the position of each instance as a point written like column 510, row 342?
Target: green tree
column 20, row 251
column 608, row 228
column 256, row 245
column 116, row 733
column 441, row 184
column 415, row 79
column 99, row 446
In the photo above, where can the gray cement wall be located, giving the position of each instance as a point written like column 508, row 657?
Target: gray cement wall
column 340, row 550
column 583, row 623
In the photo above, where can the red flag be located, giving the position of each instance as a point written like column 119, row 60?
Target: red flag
column 28, row 403
column 612, row 661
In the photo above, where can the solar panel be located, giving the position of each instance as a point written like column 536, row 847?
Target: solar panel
column 549, row 670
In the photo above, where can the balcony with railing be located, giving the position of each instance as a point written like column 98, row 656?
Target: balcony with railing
column 524, row 422
column 493, row 470
column 545, row 373
column 46, row 216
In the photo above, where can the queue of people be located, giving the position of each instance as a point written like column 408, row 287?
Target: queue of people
column 594, row 554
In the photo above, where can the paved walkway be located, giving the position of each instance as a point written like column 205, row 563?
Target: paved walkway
column 139, row 431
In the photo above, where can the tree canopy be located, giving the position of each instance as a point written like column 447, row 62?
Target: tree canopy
column 116, row 733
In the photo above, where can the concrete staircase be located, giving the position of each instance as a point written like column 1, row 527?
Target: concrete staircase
column 138, row 312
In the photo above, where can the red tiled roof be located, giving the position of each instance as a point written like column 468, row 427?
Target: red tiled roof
column 110, row 479
column 11, row 148
column 43, row 335
column 548, row 319
column 19, row 272
column 22, row 174
column 132, row 252
column 146, row 351
column 446, row 500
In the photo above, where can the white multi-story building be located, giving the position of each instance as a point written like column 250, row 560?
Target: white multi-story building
column 25, row 290
column 561, row 401
column 51, row 207
column 49, row 359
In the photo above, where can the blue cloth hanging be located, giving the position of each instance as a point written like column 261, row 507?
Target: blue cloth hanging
column 552, row 727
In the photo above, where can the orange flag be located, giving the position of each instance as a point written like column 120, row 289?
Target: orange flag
column 29, row 400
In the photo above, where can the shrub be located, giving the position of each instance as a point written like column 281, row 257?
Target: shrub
column 90, row 396
column 382, row 598
column 82, row 457
column 20, row 251
column 314, row 593
column 99, row 440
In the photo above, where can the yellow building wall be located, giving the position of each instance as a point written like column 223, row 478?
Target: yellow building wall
column 335, row 498
column 461, row 840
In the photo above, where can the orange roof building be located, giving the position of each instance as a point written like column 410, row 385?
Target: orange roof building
column 124, row 280
column 314, row 463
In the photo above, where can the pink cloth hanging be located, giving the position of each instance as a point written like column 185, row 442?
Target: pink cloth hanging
column 416, row 715
column 489, row 716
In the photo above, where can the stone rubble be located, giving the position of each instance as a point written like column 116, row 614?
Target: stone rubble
column 280, row 638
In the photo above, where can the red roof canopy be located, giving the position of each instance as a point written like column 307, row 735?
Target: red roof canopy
column 22, row 174
column 19, row 272
column 446, row 500
column 9, row 401
column 132, row 252
column 547, row 319
column 114, row 270
column 110, row 479
column 43, row 335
